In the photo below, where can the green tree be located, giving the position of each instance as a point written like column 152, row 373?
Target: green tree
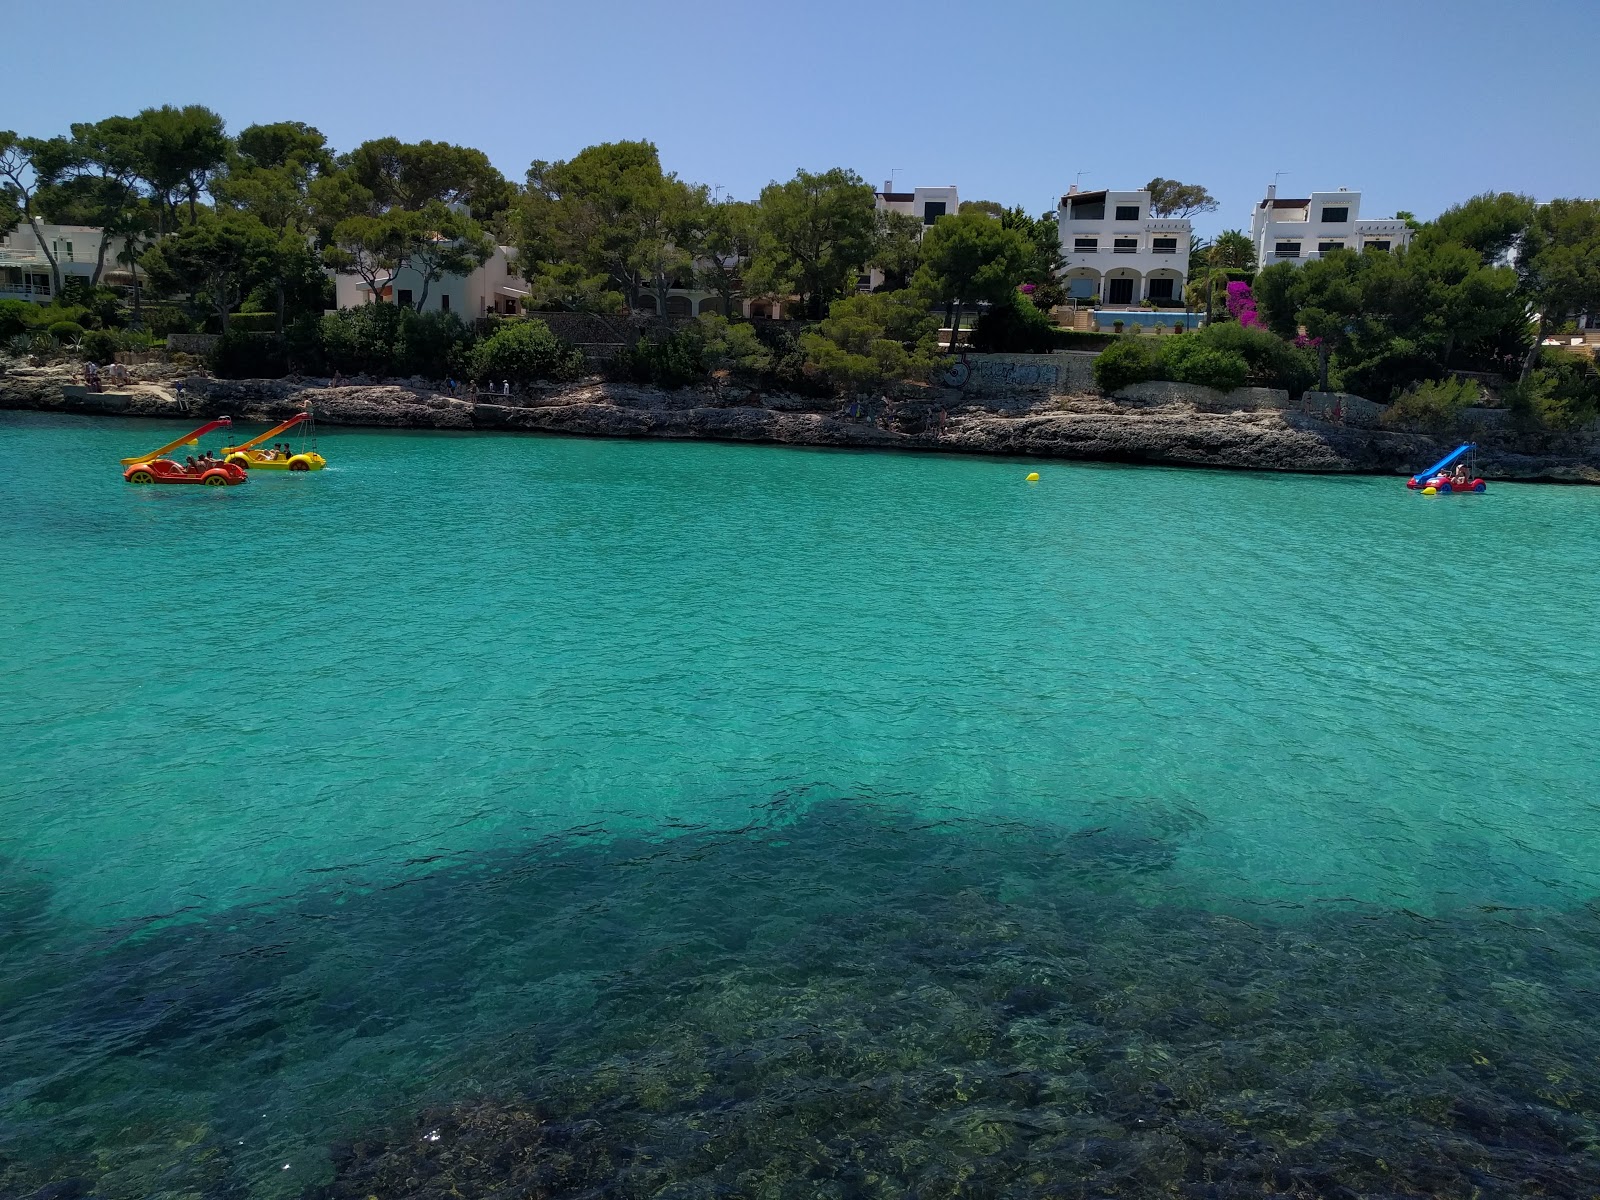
column 897, row 250
column 219, row 259
column 868, row 341
column 91, row 178
column 1169, row 198
column 725, row 239
column 609, row 211
column 1323, row 297
column 1046, row 263
column 446, row 242
column 272, row 173
column 179, row 152
column 971, row 258
column 1558, row 263
column 1491, row 223
column 413, row 175
column 816, row 232
column 1232, row 251
column 19, row 178
column 376, row 249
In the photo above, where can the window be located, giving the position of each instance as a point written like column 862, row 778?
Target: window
column 1336, row 216
column 863, row 283
column 1119, row 291
column 1161, row 289
column 1127, row 212
column 1125, row 245
column 1080, row 289
column 932, row 210
column 1088, row 210
column 41, row 284
column 1164, row 245
column 1086, row 245
column 405, row 297
column 1286, row 249
column 444, row 302
column 1328, row 247
column 511, row 306
column 67, row 249
column 1380, row 245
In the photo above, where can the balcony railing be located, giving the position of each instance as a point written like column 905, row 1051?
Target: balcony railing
column 1124, row 249
column 23, row 292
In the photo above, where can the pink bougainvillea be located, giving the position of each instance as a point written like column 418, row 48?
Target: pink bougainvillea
column 1242, row 306
column 1026, row 289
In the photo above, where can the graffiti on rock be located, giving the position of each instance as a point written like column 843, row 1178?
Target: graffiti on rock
column 979, row 374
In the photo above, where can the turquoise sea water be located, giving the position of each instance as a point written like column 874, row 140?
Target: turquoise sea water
column 645, row 806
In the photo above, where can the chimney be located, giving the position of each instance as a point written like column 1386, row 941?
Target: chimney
column 888, row 186
column 1272, row 191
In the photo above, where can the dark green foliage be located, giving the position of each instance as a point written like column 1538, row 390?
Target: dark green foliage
column 65, row 331
column 1434, row 406
column 432, row 345
column 254, row 322
column 521, row 352
column 16, row 318
column 1127, row 362
column 1562, row 392
column 385, row 340
column 240, row 355
column 101, row 307
column 362, row 340
column 1222, row 356
column 1014, row 326
column 1081, row 339
column 1269, row 361
column 98, row 345
column 1190, row 360
column 668, row 360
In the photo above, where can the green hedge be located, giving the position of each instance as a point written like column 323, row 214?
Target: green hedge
column 253, row 322
column 1081, row 339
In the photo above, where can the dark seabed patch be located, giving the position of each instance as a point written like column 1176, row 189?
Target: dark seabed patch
column 849, row 1003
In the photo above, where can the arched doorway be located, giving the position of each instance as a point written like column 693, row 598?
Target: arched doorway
column 680, row 306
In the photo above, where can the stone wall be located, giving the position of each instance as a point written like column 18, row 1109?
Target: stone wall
column 1063, row 372
column 193, row 343
column 1159, row 392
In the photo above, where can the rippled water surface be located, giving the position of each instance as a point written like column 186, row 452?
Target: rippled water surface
column 494, row 812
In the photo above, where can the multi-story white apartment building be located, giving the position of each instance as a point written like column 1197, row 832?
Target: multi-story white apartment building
column 926, row 204
column 494, row 287
column 1291, row 230
column 1117, row 254
column 25, row 269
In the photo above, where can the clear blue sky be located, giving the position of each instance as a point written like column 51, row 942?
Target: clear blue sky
column 1419, row 103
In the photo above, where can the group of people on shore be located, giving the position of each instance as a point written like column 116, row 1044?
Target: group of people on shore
column 93, row 380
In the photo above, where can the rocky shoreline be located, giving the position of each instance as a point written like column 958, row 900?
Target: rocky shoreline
column 1025, row 423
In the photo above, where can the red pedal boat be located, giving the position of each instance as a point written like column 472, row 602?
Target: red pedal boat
column 156, row 467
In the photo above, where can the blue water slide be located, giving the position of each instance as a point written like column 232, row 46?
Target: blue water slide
column 1445, row 461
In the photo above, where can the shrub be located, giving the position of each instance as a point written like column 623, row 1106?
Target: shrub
column 240, row 355
column 16, row 318
column 670, row 360
column 523, row 351
column 868, row 341
column 1434, row 406
column 1561, row 393
column 433, row 345
column 1269, row 360
column 362, row 340
column 1126, row 362
column 253, row 322
column 66, row 332
column 1014, row 326
column 1189, row 360
column 98, row 345
column 1080, row 339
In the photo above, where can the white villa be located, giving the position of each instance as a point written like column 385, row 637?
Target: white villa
column 1289, row 230
column 494, row 287
column 926, row 204
column 25, row 271
column 1117, row 254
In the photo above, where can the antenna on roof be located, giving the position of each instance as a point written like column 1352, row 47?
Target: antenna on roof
column 716, row 193
column 893, row 171
column 1078, row 178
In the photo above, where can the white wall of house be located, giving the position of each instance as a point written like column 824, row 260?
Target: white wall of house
column 1117, row 253
column 495, row 287
column 926, row 204
column 1293, row 229
column 25, row 270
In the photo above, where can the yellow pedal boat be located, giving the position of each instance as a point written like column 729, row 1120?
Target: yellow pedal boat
column 249, row 458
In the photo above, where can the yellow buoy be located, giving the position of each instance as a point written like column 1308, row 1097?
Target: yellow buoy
column 1430, row 491
column 1033, row 477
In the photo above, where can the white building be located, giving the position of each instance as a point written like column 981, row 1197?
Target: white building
column 926, row 204
column 1117, row 254
column 495, row 287
column 25, row 270
column 1291, row 230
